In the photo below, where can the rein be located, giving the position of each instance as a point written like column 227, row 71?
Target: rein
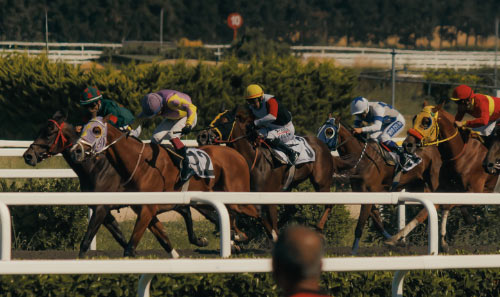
column 60, row 136
column 136, row 165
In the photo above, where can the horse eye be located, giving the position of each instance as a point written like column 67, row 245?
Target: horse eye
column 329, row 132
column 97, row 131
column 426, row 122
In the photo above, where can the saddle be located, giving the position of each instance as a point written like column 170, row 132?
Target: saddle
column 389, row 157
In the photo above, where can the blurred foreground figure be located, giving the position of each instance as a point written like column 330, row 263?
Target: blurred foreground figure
column 297, row 262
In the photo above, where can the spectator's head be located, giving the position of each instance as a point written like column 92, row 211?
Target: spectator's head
column 297, row 259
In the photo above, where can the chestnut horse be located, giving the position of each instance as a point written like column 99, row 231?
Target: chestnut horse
column 149, row 167
column 462, row 157
column 265, row 175
column 371, row 173
column 96, row 175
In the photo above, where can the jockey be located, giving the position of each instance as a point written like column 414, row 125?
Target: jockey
column 91, row 98
column 386, row 122
column 272, row 120
column 485, row 109
column 180, row 118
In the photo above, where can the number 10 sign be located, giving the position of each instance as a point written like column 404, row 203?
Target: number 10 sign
column 234, row 21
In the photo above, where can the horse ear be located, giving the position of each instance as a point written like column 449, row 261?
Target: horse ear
column 425, row 103
column 337, row 120
column 439, row 107
column 59, row 116
column 222, row 107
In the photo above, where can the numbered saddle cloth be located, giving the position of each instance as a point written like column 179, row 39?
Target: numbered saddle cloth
column 301, row 146
column 200, row 162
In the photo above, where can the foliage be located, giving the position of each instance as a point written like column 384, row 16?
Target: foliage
column 46, row 227
column 294, row 22
column 31, row 89
column 254, row 44
column 465, row 282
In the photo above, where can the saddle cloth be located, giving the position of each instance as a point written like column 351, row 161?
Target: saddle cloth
column 301, row 146
column 200, row 162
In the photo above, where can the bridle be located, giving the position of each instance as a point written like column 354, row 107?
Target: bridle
column 60, row 137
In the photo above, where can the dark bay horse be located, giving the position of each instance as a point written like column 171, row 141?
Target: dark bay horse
column 149, row 167
column 265, row 174
column 462, row 156
column 95, row 175
column 371, row 173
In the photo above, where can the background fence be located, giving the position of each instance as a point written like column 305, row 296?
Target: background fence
column 76, row 53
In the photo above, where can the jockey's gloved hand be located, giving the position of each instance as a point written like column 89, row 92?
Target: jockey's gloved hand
column 186, row 129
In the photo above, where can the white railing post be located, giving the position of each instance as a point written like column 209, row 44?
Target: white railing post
column 399, row 276
column 402, row 218
column 144, row 285
column 5, row 229
column 93, row 243
column 225, row 228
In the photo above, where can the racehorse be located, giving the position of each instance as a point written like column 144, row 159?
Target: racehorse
column 371, row 173
column 96, row 175
column 462, row 157
column 492, row 161
column 230, row 127
column 150, row 167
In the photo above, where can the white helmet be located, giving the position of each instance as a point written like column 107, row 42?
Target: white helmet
column 359, row 105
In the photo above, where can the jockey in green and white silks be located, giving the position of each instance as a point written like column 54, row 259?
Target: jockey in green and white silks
column 384, row 123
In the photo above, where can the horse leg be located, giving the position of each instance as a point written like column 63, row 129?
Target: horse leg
column 209, row 214
column 273, row 220
column 156, row 227
column 375, row 214
column 469, row 219
column 99, row 212
column 320, row 226
column 112, row 225
column 185, row 212
column 363, row 217
column 419, row 219
column 144, row 217
column 444, row 219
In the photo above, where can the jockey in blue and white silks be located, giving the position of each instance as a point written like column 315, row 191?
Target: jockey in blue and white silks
column 383, row 123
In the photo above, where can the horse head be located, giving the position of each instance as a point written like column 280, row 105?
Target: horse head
column 92, row 141
column 328, row 133
column 492, row 161
column 220, row 129
column 53, row 138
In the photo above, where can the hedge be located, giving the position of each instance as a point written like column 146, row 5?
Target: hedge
column 465, row 282
column 32, row 88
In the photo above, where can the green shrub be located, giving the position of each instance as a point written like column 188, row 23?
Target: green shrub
column 42, row 227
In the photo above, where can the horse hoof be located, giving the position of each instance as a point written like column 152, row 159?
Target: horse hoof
column 390, row 242
column 235, row 249
column 128, row 253
column 203, row 241
column 240, row 237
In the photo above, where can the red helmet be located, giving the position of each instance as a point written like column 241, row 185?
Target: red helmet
column 462, row 92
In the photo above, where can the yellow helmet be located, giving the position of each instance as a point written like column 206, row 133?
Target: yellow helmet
column 253, row 91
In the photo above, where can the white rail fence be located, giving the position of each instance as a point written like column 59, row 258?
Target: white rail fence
column 217, row 199
column 77, row 53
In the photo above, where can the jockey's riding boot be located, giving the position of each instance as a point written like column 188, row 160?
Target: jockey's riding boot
column 186, row 171
column 291, row 154
column 403, row 160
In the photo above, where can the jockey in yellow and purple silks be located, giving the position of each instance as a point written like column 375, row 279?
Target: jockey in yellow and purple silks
column 180, row 118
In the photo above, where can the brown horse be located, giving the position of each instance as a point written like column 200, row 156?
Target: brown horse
column 492, row 161
column 96, row 175
column 266, row 175
column 462, row 157
column 371, row 173
column 149, row 167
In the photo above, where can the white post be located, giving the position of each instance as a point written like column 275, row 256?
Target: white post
column 144, row 285
column 5, row 229
column 225, row 228
column 399, row 276
column 93, row 243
